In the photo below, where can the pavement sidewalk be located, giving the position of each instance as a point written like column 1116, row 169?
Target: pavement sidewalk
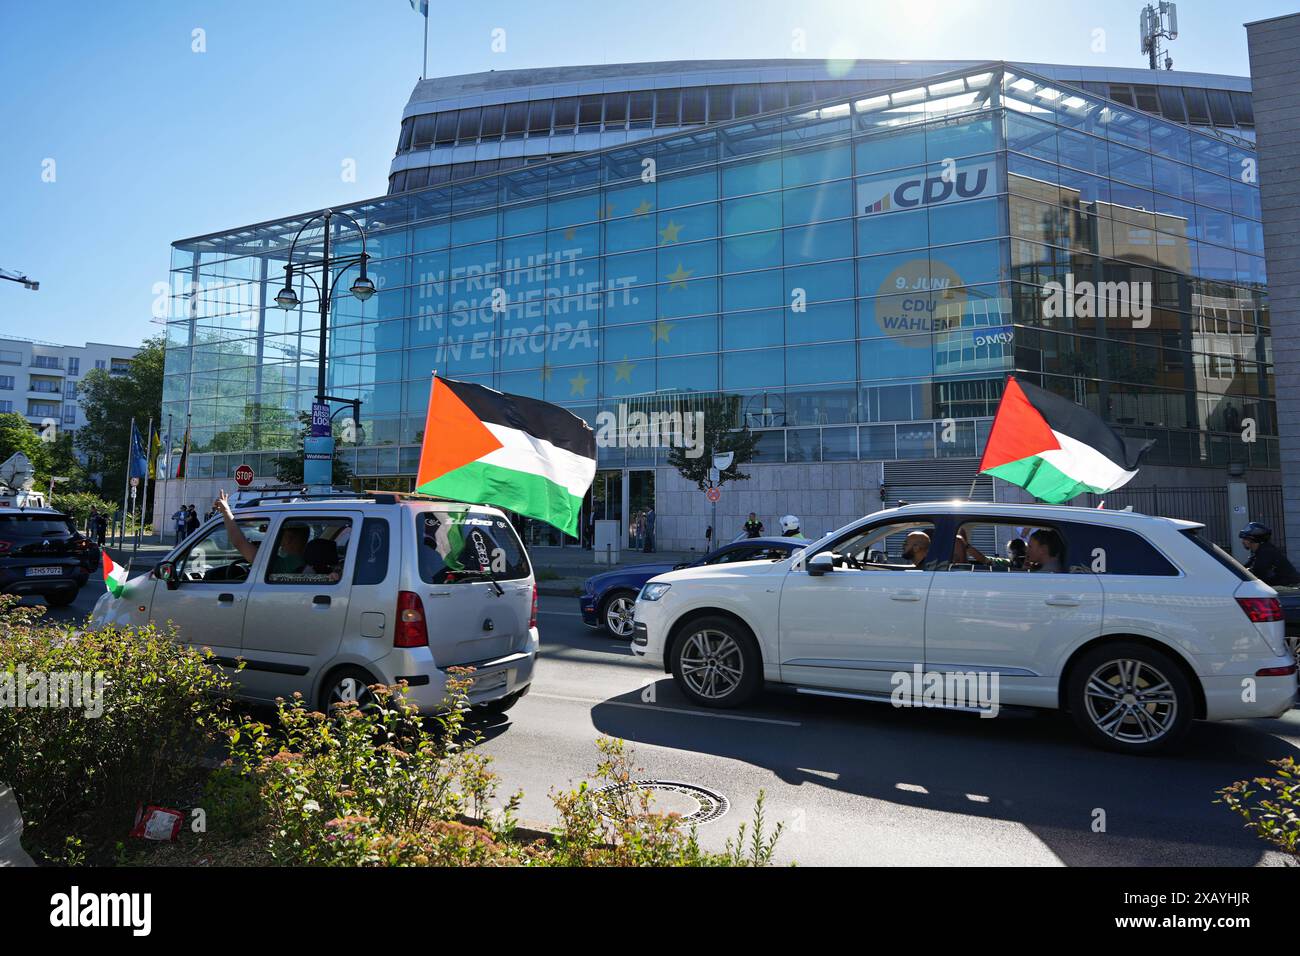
column 561, row 571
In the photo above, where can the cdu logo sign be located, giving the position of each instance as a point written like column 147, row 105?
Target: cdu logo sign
column 969, row 181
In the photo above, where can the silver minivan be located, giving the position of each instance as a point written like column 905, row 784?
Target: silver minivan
column 347, row 591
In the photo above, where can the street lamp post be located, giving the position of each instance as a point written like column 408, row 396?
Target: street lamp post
column 318, row 450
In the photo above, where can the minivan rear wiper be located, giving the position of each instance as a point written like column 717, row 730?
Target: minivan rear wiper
column 482, row 573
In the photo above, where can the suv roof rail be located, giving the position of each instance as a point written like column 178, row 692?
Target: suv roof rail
column 379, row 497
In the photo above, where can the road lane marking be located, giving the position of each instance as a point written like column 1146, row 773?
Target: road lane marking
column 542, row 610
column 670, row 710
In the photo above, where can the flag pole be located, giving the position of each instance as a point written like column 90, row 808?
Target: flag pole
column 424, row 72
column 126, row 484
column 144, row 488
column 171, row 436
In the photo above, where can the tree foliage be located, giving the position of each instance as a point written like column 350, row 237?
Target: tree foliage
column 722, row 433
column 110, row 402
column 49, row 458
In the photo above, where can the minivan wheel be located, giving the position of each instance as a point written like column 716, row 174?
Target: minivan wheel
column 716, row 663
column 1130, row 698
column 616, row 613
column 345, row 684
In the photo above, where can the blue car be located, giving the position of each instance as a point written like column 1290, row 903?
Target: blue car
column 607, row 599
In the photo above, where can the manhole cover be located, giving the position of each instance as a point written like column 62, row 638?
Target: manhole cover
column 693, row 804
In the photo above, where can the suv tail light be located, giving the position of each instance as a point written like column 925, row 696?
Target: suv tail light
column 1262, row 610
column 411, row 631
column 5, row 546
column 532, row 617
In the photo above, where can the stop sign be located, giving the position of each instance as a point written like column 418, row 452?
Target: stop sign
column 713, row 494
column 243, row 476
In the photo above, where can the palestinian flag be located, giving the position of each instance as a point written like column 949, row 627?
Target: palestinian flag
column 114, row 576
column 1055, row 449
column 517, row 453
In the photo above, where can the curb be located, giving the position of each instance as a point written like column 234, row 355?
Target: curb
column 11, row 831
column 552, row 590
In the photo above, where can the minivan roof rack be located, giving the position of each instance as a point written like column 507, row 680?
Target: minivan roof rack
column 277, row 496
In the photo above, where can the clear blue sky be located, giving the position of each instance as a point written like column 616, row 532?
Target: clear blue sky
column 153, row 142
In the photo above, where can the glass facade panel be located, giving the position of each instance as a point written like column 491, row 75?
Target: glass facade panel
column 852, row 274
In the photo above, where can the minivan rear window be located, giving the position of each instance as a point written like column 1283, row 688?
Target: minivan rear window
column 30, row 526
column 462, row 546
column 1216, row 552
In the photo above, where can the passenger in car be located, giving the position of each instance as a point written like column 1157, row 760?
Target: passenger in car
column 915, row 547
column 1044, row 550
column 293, row 540
column 322, row 558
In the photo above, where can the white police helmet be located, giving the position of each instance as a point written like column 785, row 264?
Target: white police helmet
column 789, row 523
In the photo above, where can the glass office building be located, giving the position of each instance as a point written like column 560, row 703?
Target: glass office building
column 861, row 273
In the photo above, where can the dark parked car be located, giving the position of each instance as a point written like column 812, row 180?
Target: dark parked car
column 607, row 599
column 42, row 553
column 1290, row 598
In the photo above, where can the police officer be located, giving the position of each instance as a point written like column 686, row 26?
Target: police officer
column 790, row 527
column 1267, row 562
column 753, row 527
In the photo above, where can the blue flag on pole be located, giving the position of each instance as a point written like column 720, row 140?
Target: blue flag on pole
column 139, row 463
column 420, row 6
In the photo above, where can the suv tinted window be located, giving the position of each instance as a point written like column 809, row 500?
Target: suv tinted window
column 1104, row 550
column 468, row 546
column 1223, row 557
column 34, row 526
column 372, row 552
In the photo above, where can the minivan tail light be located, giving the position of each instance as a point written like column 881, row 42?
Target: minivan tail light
column 532, row 617
column 411, row 631
column 1262, row 610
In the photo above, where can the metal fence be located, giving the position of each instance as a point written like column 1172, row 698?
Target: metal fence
column 1208, row 505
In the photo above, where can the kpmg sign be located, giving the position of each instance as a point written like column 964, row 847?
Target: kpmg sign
column 960, row 181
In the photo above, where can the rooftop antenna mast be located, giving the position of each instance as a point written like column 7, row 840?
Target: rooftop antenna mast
column 1158, row 21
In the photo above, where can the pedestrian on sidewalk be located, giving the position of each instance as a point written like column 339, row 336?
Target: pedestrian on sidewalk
column 650, row 530
column 191, row 520
column 753, row 527
column 99, row 525
column 178, row 522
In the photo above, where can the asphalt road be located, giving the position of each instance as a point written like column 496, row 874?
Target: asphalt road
column 858, row 783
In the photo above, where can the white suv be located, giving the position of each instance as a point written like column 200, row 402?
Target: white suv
column 1134, row 624
column 345, row 591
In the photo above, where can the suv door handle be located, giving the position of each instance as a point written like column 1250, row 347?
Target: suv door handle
column 905, row 596
column 321, row 600
column 225, row 598
column 1062, row 600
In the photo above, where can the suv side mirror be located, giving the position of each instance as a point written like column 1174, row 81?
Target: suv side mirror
column 166, row 571
column 820, row 564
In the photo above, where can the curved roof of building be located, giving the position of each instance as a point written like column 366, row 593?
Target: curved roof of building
column 497, row 86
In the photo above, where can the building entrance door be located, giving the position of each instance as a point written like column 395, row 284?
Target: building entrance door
column 641, row 501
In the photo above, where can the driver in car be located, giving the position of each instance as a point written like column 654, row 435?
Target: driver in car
column 915, row 547
column 288, row 558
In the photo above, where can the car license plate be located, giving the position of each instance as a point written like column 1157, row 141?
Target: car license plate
column 44, row 572
column 489, row 682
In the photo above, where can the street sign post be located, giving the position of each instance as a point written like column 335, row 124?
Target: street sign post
column 713, row 494
column 244, row 476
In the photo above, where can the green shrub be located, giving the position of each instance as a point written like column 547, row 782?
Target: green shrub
column 373, row 786
column 152, row 710
column 80, row 504
column 1269, row 805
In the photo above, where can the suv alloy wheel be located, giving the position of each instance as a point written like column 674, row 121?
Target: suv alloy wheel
column 1130, row 698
